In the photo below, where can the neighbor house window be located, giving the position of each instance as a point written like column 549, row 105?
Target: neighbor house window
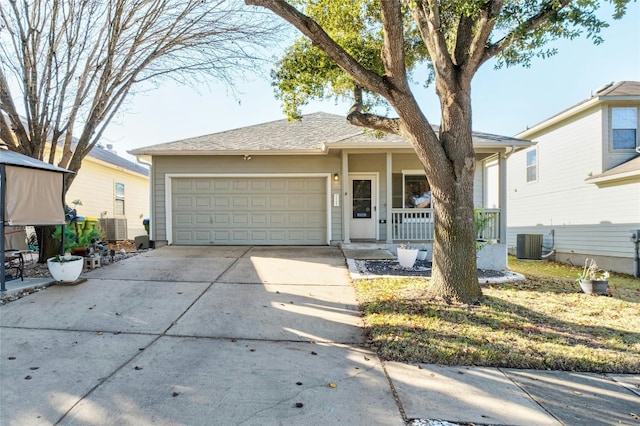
column 624, row 127
column 119, row 199
column 532, row 165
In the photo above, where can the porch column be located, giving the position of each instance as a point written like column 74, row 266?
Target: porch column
column 502, row 171
column 389, row 199
column 346, row 210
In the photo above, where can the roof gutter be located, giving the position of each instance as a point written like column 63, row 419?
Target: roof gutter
column 558, row 118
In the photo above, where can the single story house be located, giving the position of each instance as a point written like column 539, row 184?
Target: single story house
column 576, row 192
column 318, row 181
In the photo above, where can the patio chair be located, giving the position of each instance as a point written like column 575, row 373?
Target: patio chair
column 14, row 263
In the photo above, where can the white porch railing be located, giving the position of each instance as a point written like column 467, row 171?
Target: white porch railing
column 412, row 224
column 488, row 224
column 417, row 224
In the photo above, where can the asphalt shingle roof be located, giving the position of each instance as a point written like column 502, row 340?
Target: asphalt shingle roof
column 312, row 134
column 100, row 153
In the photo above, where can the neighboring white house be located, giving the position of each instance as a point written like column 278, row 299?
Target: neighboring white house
column 315, row 182
column 579, row 186
column 113, row 190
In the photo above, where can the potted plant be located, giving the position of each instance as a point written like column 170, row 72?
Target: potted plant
column 82, row 246
column 407, row 255
column 592, row 279
column 423, row 252
column 65, row 269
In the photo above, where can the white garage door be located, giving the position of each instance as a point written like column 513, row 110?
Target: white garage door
column 249, row 211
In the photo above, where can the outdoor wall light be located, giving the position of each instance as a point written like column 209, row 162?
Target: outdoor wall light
column 336, row 177
column 246, row 157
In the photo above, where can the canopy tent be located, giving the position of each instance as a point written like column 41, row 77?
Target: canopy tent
column 31, row 193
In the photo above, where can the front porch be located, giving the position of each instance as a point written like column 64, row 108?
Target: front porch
column 387, row 201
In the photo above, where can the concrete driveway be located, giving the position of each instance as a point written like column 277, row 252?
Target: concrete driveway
column 195, row 336
column 252, row 336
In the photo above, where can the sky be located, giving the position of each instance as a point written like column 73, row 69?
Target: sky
column 504, row 101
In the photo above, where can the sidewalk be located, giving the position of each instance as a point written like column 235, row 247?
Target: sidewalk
column 253, row 336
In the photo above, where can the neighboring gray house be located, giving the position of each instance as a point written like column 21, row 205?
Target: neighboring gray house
column 318, row 181
column 579, row 186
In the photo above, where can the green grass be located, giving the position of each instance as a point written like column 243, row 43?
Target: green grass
column 544, row 322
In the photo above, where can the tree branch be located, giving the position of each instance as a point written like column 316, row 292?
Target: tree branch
column 427, row 16
column 318, row 36
column 483, row 29
column 393, row 56
column 548, row 10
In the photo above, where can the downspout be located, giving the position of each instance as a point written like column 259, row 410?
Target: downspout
column 502, row 167
column 151, row 215
column 635, row 238
column 3, row 185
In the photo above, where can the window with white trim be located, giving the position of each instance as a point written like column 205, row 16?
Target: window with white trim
column 119, row 198
column 624, row 127
column 532, row 165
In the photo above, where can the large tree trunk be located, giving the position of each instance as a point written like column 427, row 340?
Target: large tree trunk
column 454, row 275
column 48, row 246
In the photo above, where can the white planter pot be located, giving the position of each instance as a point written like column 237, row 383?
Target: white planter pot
column 422, row 255
column 407, row 257
column 594, row 286
column 67, row 271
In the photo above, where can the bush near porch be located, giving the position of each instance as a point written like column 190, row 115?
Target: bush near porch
column 544, row 322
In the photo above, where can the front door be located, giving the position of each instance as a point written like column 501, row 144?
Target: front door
column 364, row 208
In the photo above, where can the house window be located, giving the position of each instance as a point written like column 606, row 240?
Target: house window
column 624, row 127
column 417, row 192
column 119, row 198
column 532, row 165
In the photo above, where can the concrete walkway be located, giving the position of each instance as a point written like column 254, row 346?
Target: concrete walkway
column 252, row 336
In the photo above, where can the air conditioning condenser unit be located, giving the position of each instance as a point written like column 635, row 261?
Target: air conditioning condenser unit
column 529, row 246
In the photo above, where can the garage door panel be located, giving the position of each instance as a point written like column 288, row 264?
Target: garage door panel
column 240, row 185
column 184, row 202
column 203, row 202
column 259, row 237
column 315, row 186
column 277, row 202
column 276, row 185
column 183, row 184
column 202, row 184
column 222, row 236
column 239, row 202
column 220, row 202
column 202, row 237
column 278, row 219
column 249, row 210
column 202, row 219
column 239, row 236
column 259, row 219
column 240, row 219
column 184, row 219
column 221, row 185
column 221, row 218
column 260, row 202
column 296, row 219
column 315, row 219
column 296, row 186
column 259, row 185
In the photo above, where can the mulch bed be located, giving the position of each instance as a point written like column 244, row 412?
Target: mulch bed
column 421, row 268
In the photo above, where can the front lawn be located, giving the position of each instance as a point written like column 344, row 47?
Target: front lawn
column 544, row 322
